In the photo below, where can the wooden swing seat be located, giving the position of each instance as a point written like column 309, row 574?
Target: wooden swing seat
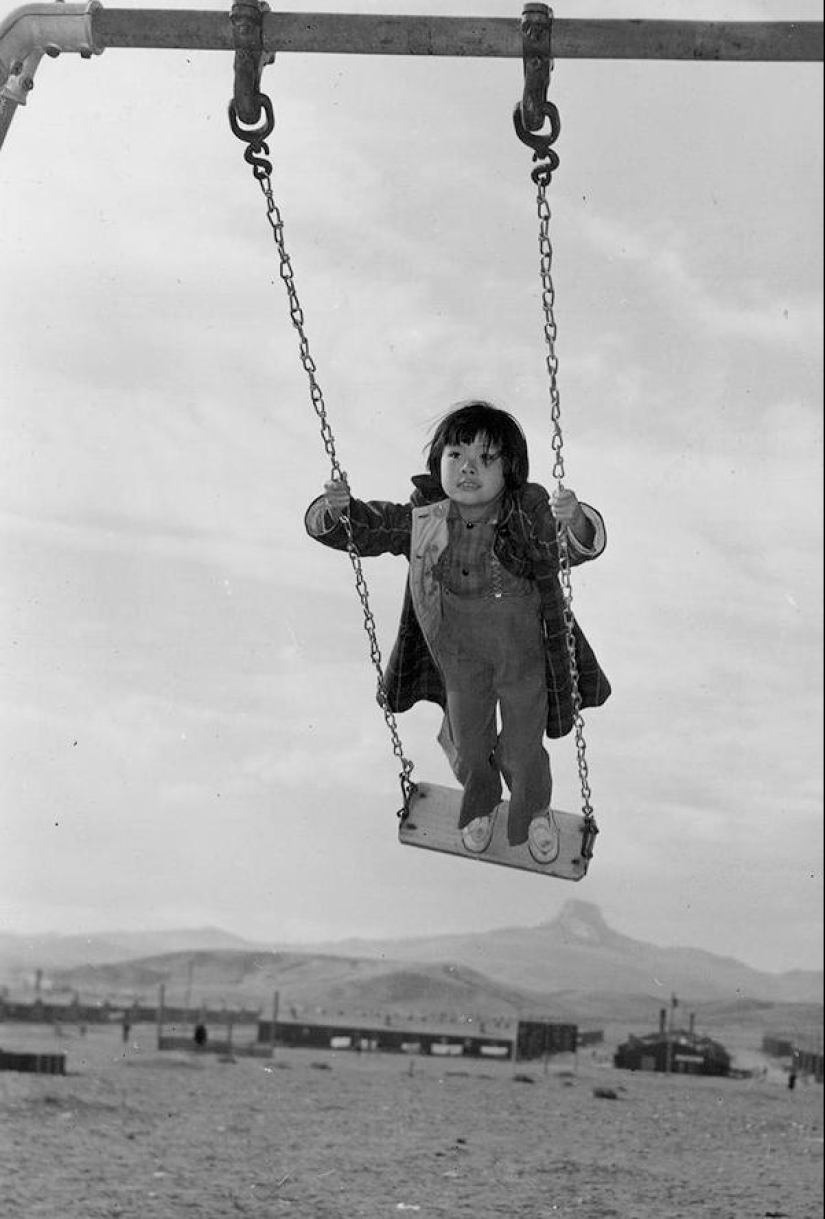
column 432, row 823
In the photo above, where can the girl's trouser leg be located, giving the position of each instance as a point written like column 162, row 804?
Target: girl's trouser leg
column 473, row 726
column 470, row 734
column 521, row 687
column 521, row 754
column 492, row 652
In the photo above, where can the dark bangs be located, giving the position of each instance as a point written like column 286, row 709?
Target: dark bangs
column 501, row 431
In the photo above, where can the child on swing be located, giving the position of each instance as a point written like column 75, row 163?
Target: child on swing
column 482, row 627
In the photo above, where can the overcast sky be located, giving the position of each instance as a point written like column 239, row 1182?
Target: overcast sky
column 189, row 734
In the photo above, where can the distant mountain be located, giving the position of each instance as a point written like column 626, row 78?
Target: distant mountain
column 21, row 954
column 577, row 951
column 575, row 954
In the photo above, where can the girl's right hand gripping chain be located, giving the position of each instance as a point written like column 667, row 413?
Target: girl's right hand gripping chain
column 337, row 496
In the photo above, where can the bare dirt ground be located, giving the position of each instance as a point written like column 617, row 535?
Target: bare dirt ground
column 130, row 1132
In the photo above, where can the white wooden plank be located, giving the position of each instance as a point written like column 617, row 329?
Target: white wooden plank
column 432, row 824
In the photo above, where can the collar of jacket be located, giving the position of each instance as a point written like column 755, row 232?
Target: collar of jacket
column 428, row 490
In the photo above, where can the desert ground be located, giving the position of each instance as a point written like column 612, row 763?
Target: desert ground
column 129, row 1131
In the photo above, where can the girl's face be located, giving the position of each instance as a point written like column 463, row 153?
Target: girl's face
column 472, row 476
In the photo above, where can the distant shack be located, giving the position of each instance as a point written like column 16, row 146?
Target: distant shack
column 342, row 1035
column 803, row 1055
column 534, row 1039
column 673, row 1051
column 538, row 1039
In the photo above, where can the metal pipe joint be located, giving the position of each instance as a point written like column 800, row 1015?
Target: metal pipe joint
column 35, row 30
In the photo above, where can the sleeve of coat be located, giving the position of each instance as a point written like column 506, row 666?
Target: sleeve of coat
column 378, row 527
column 543, row 527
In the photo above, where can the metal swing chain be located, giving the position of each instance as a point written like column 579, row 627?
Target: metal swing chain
column 527, row 117
column 557, row 444
column 262, row 168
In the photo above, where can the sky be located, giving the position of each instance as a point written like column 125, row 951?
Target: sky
column 188, row 727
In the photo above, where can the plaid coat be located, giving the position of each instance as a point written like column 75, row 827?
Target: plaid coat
column 525, row 544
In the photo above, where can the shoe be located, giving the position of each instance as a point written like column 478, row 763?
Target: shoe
column 543, row 839
column 476, row 836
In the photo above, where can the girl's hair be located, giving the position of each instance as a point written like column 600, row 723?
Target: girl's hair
column 501, row 431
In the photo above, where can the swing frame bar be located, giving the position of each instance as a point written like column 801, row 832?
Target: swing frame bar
column 465, row 37
column 34, row 30
column 498, row 37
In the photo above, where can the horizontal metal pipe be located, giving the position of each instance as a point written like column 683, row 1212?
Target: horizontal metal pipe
column 498, row 37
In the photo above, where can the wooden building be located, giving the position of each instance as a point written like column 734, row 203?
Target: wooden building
column 342, row 1035
column 538, row 1038
column 677, row 1051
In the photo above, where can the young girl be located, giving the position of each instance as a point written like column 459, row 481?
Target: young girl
column 482, row 628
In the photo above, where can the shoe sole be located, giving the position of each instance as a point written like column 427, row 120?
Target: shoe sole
column 549, row 854
column 474, row 850
column 542, row 857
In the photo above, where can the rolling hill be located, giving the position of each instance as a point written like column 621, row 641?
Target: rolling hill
column 574, row 963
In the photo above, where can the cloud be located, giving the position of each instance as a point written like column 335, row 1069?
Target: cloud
column 662, row 257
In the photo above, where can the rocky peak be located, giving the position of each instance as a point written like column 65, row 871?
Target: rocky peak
column 582, row 922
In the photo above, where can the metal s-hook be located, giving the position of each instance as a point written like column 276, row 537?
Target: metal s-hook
column 248, row 105
column 257, row 150
column 535, row 109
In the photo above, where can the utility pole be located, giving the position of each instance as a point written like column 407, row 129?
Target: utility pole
column 674, row 1003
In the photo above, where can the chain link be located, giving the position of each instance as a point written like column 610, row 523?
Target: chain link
column 548, row 297
column 296, row 314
